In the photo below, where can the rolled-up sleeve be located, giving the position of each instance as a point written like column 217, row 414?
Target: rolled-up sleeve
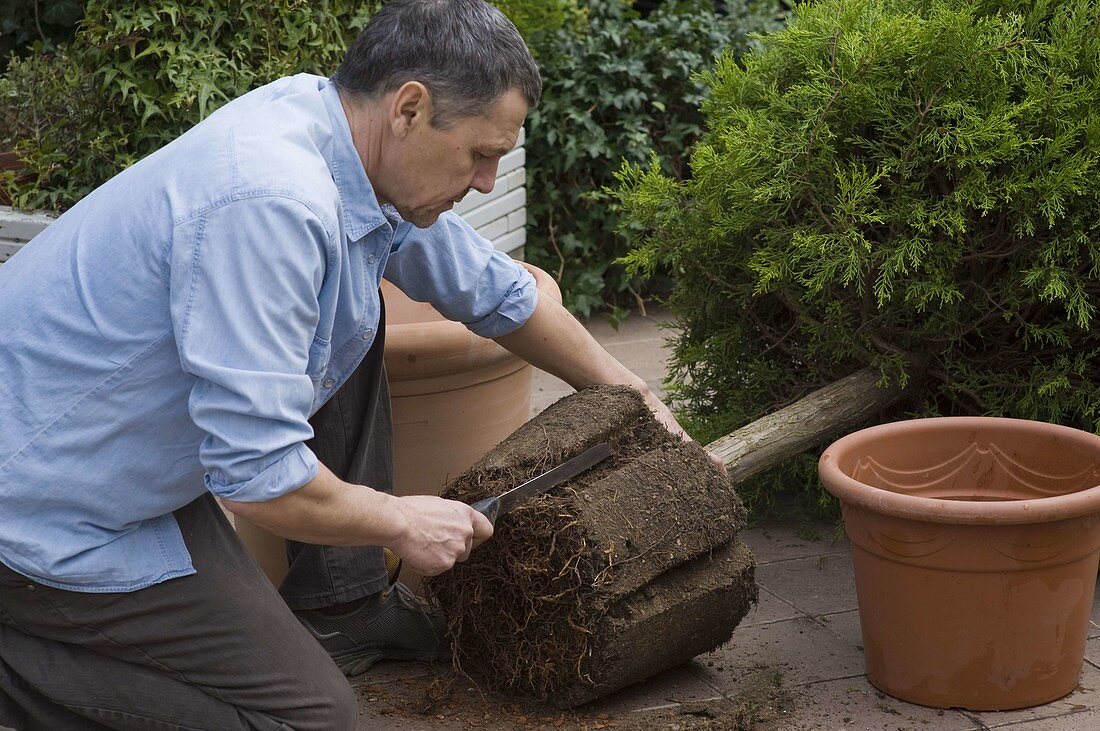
column 244, row 287
column 457, row 271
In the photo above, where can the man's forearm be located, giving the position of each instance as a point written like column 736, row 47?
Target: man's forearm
column 329, row 512
column 553, row 340
column 428, row 532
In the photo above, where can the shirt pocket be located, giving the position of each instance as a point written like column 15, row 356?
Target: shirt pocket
column 319, row 353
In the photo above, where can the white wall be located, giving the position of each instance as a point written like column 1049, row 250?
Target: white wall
column 17, row 229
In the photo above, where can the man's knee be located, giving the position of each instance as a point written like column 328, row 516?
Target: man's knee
column 345, row 707
column 333, row 706
column 317, row 697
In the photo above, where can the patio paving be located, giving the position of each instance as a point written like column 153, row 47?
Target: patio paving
column 805, row 627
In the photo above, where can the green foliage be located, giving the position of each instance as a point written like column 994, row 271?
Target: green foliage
column 909, row 185
column 139, row 74
column 36, row 25
column 622, row 87
column 532, row 17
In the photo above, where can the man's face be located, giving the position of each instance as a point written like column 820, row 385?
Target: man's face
column 431, row 169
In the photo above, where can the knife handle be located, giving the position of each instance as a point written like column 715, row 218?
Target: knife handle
column 488, row 507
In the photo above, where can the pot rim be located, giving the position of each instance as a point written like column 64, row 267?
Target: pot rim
column 428, row 350
column 938, row 510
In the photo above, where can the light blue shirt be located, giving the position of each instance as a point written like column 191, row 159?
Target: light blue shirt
column 173, row 332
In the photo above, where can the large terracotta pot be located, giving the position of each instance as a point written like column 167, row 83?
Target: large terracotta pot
column 975, row 544
column 455, row 396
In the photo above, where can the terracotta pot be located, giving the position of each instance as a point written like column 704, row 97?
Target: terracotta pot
column 975, row 543
column 455, row 396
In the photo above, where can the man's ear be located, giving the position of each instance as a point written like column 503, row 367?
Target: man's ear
column 411, row 106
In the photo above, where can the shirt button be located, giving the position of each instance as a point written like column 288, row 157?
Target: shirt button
column 367, row 333
column 329, row 383
column 371, row 258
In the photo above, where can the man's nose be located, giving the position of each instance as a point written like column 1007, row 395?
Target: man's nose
column 485, row 177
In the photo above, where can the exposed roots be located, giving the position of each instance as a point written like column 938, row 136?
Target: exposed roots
column 526, row 609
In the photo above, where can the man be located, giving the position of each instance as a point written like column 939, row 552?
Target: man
column 184, row 331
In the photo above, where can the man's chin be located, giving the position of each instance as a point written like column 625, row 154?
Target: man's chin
column 422, row 218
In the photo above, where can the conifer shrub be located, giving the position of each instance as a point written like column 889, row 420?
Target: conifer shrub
column 907, row 185
column 535, row 17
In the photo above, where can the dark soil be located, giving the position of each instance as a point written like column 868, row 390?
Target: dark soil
column 628, row 569
column 444, row 700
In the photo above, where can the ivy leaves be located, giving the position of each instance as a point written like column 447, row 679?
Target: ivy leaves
column 137, row 75
column 36, row 24
column 622, row 87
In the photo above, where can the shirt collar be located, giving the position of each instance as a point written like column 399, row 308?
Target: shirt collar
column 361, row 210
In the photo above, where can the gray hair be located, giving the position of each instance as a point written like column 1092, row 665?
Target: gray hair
column 465, row 52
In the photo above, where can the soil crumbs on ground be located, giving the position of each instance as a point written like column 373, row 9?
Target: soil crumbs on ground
column 442, row 700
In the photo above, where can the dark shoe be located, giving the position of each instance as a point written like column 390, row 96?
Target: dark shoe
column 393, row 625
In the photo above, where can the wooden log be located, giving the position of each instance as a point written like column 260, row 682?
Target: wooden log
column 826, row 413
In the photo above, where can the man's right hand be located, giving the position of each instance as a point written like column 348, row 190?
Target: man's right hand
column 437, row 533
column 430, row 533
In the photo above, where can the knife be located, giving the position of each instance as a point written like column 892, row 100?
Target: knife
column 494, row 507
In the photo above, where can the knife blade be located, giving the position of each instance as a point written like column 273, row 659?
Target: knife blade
column 494, row 507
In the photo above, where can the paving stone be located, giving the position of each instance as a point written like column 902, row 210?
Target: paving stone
column 639, row 344
column 545, row 390
column 800, row 649
column 769, row 608
column 1094, row 624
column 845, row 625
column 1080, row 721
column 1092, row 651
column 853, row 704
column 390, row 671
column 645, row 356
column 653, row 327
column 386, row 674
column 669, row 688
column 1086, row 697
column 770, row 544
column 815, row 585
column 373, row 722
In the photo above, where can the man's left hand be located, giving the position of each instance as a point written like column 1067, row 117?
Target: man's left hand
column 665, row 417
